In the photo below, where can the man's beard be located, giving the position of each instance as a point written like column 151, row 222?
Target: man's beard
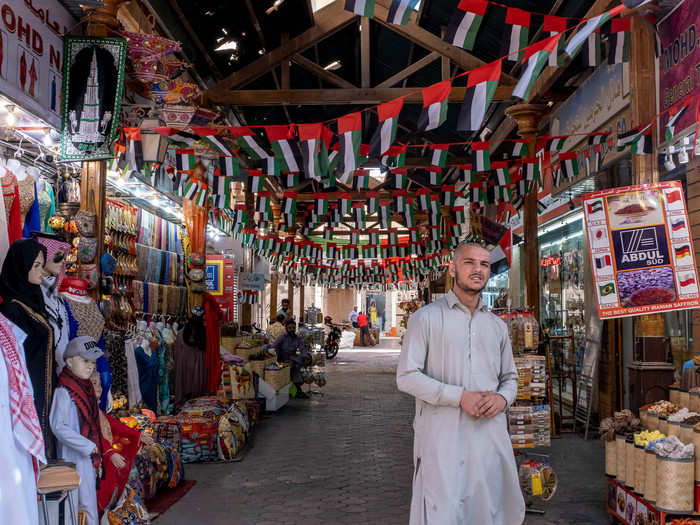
column 465, row 287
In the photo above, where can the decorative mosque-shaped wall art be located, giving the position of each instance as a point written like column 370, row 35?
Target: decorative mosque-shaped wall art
column 93, row 81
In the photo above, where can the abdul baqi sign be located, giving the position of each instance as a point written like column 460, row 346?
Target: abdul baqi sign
column 641, row 250
column 93, row 80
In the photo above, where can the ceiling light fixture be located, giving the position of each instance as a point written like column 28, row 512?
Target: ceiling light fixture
column 229, row 45
column 261, row 51
column 47, row 138
column 275, row 6
column 333, row 66
column 11, row 120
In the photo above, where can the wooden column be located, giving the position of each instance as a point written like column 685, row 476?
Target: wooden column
column 247, row 309
column 527, row 117
column 365, row 58
column 302, row 288
column 274, row 277
column 290, row 297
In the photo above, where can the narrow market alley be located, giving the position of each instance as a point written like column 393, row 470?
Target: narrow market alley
column 345, row 458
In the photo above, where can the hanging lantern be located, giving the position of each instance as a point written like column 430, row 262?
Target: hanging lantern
column 154, row 145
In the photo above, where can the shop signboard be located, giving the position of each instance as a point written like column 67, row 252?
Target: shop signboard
column 679, row 62
column 252, row 281
column 31, row 55
column 641, row 250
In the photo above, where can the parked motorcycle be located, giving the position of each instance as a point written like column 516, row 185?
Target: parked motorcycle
column 332, row 340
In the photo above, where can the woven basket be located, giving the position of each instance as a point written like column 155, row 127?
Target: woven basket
column 684, row 399
column 621, row 457
column 649, row 476
column 245, row 353
column 675, row 484
column 629, row 465
column 674, row 395
column 695, row 402
column 278, row 379
column 639, row 469
column 230, row 343
column 686, row 434
column 644, row 418
column 674, row 429
column 696, row 442
column 610, row 458
column 663, row 425
column 257, row 367
column 652, row 421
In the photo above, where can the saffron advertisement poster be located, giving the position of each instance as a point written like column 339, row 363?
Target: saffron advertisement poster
column 641, row 250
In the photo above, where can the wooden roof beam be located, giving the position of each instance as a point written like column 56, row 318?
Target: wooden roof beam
column 409, row 70
column 321, row 73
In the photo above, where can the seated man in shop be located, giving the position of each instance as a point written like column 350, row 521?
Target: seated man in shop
column 290, row 348
column 277, row 328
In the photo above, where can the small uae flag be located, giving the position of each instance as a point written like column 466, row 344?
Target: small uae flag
column 531, row 171
column 350, row 136
column 201, row 197
column 434, row 206
column 272, row 167
column 289, row 180
column 262, row 204
column 184, row 160
column 672, row 119
column 285, row 148
column 409, row 214
column 502, row 172
column 423, row 195
column 393, row 236
column 358, row 213
column 226, row 166
column 310, row 138
column 328, row 234
column 603, row 261
column 385, row 134
column 619, row 40
column 575, row 42
column 355, row 236
column 384, row 213
column 458, row 214
column 395, row 157
column 400, row 11
column 555, row 24
column 334, row 216
column 344, row 203
column 256, row 181
column 638, row 140
column 592, row 55
column 221, row 201
column 289, row 206
column 468, row 174
column 332, row 251
column 372, row 202
column 555, row 144
column 360, row 7
column 434, row 111
column 222, row 185
column 595, row 207
column 398, row 178
column 448, row 194
column 434, row 175
column 247, row 141
column 399, row 200
column 373, row 236
column 439, row 155
column 481, row 158
column 481, row 86
column 519, row 147
column 535, row 58
column 514, row 47
column 361, row 180
column 569, row 164
column 134, row 148
column 189, row 189
column 465, row 22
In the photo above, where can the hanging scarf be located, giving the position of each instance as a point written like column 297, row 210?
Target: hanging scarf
column 83, row 395
column 25, row 421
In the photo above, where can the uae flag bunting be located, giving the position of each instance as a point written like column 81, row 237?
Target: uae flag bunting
column 439, row 155
column 458, row 214
column 118, row 162
column 221, row 201
column 190, row 189
column 552, row 25
column 465, row 22
column 358, row 212
column 448, row 194
column 289, row 180
column 555, row 144
column 519, row 21
column 284, row 147
column 361, row 180
column 400, row 11
column 256, row 181
column 201, row 197
column 670, row 127
column 535, row 58
column 619, row 40
column 310, row 138
column 456, row 230
column 591, row 55
column 384, row 213
column 134, row 148
column 638, row 140
column 569, row 164
column 434, row 111
column 385, row 134
column 227, row 166
column 373, row 236
column 289, row 205
column 350, row 140
column 184, row 160
column 360, row 7
column 344, row 203
column 328, row 234
column 355, row 236
column 395, row 157
column 398, row 178
column 481, row 86
column 519, row 148
column 531, row 171
column 247, row 141
column 579, row 38
column 434, row 206
column 399, row 200
column 372, row 202
column 502, row 172
column 273, row 167
column 556, row 177
column 393, row 236
column 423, row 196
column 263, row 202
column 409, row 214
column 481, row 158
column 222, row 185
column 468, row 174
column 434, row 175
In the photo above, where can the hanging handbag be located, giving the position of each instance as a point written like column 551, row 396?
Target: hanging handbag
column 196, row 275
column 87, row 249
column 86, row 221
column 90, row 274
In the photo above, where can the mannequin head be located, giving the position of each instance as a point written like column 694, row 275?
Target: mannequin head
column 22, row 272
column 80, row 356
column 80, row 366
column 56, row 251
column 36, row 272
column 96, row 384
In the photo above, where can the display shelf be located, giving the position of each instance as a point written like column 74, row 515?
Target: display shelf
column 623, row 506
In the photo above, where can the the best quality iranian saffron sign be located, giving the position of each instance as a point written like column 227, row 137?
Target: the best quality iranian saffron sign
column 641, row 250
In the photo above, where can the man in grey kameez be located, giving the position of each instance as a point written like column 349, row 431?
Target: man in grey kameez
column 457, row 362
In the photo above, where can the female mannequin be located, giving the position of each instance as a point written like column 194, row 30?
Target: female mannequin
column 23, row 304
column 56, row 250
column 20, row 433
column 75, row 420
column 85, row 318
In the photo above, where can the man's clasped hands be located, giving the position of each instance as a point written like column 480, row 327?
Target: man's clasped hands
column 482, row 404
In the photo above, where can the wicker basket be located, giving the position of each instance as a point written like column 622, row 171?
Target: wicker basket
column 639, row 469
column 230, row 343
column 675, row 484
column 629, row 465
column 684, row 399
column 695, row 402
column 652, row 421
column 674, row 395
column 686, row 434
column 674, row 429
column 644, row 418
column 245, row 353
column 610, row 458
column 255, row 367
column 696, row 442
column 663, row 426
column 621, row 458
column 650, row 476
column 279, row 378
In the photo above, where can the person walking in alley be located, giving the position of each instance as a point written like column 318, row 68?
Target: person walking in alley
column 352, row 317
column 363, row 324
column 456, row 360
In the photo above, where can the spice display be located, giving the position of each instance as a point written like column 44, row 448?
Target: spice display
column 681, row 415
column 624, row 422
column 672, row 447
column 523, row 330
column 663, row 408
column 643, row 438
column 532, row 377
column 529, row 426
column 691, row 420
column 647, row 286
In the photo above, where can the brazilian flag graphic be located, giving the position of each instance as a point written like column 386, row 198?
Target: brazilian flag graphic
column 607, row 289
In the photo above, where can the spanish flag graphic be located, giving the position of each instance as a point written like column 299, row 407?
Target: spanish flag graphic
column 683, row 251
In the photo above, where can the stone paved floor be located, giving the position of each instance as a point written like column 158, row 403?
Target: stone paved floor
column 345, row 458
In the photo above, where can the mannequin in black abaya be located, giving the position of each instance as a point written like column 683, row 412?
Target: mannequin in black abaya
column 23, row 304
